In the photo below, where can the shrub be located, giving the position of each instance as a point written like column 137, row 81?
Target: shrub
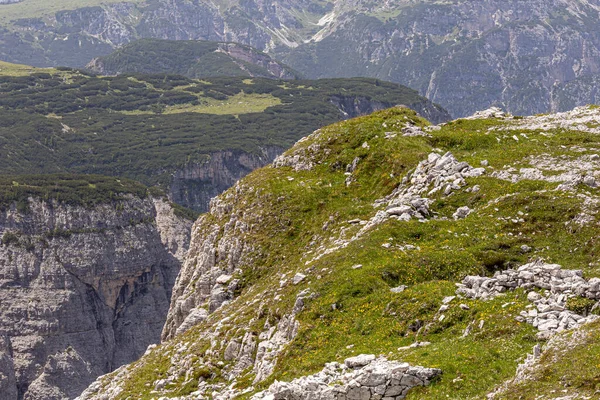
column 9, row 238
column 580, row 305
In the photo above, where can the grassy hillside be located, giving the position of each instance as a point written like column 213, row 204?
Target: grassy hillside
column 42, row 8
column 307, row 221
column 147, row 127
column 10, row 69
column 194, row 59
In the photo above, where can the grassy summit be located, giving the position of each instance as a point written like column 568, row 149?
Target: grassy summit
column 307, row 220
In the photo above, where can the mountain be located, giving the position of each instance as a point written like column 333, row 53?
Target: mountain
column 384, row 256
column 194, row 59
column 87, row 265
column 194, row 138
column 527, row 57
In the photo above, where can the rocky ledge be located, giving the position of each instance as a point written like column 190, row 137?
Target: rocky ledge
column 363, row 377
column 550, row 312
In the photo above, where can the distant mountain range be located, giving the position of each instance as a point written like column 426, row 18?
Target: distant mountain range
column 527, row 57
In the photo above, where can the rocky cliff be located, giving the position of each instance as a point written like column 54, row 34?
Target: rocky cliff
column 84, row 289
column 527, row 57
column 196, row 184
column 384, row 256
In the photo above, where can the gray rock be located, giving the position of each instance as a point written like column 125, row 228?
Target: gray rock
column 77, row 305
column 398, row 289
column 403, row 209
column 548, row 325
column 533, row 296
column 298, row 278
column 590, row 181
column 195, row 316
column 379, row 379
column 223, row 279
column 359, row 361
column 525, row 249
column 551, row 313
column 462, row 212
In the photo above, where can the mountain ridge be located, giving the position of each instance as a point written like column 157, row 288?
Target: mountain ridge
column 525, row 57
column 194, row 138
column 368, row 238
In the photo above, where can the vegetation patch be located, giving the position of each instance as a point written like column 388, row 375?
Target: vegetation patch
column 76, row 190
column 147, row 127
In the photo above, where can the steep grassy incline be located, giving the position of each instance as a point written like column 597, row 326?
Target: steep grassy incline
column 191, row 58
column 193, row 137
column 293, row 267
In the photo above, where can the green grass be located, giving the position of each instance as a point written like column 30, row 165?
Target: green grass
column 9, row 69
column 570, row 369
column 288, row 216
column 240, row 103
column 43, row 8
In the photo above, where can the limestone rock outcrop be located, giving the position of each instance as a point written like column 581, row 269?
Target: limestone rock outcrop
column 550, row 313
column 83, row 290
column 214, row 251
column 363, row 377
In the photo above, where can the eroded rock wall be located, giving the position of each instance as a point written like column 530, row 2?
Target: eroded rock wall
column 194, row 185
column 83, row 290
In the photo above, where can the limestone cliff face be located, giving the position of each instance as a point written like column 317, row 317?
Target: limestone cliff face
column 219, row 248
column 195, row 184
column 83, row 290
column 526, row 57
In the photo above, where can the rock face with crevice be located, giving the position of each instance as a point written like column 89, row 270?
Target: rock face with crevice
column 83, row 290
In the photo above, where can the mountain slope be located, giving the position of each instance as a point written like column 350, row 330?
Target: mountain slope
column 527, row 57
column 194, row 59
column 87, row 265
column 195, row 138
column 354, row 242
